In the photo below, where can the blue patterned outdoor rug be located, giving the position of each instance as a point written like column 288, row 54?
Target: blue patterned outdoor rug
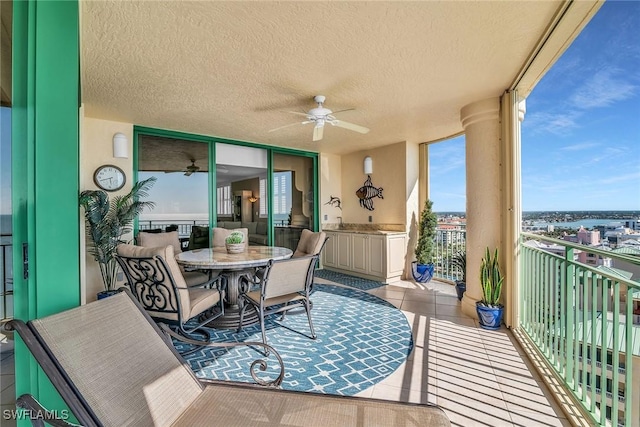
column 361, row 340
column 345, row 279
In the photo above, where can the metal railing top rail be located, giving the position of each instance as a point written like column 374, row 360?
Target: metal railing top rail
column 607, row 254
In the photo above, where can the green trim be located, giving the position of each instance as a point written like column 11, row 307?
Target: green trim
column 45, row 136
column 211, row 140
column 270, row 229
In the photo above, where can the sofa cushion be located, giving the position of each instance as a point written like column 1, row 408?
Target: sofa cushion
column 250, row 226
column 258, row 239
column 261, row 228
column 232, row 225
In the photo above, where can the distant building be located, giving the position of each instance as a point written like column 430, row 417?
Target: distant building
column 632, row 224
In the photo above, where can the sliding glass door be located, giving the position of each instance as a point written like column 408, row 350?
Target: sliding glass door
column 294, row 208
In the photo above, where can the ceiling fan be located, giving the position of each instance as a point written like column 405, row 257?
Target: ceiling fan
column 320, row 116
column 191, row 168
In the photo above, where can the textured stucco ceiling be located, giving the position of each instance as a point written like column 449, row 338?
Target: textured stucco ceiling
column 234, row 69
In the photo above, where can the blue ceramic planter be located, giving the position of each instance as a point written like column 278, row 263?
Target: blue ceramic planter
column 490, row 317
column 422, row 273
column 106, row 294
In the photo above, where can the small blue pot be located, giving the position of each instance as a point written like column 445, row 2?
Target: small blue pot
column 106, row 294
column 422, row 273
column 490, row 317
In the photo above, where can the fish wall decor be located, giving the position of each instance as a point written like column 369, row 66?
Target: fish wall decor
column 367, row 192
column 335, row 202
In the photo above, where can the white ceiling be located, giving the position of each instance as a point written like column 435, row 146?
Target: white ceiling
column 234, row 69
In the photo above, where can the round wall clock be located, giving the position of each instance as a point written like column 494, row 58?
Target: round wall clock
column 109, row 177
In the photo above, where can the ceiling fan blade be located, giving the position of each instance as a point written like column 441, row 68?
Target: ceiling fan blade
column 350, row 126
column 188, row 173
column 298, row 113
column 340, row 111
column 292, row 124
column 318, row 132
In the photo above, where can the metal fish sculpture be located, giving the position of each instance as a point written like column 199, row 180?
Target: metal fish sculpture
column 367, row 192
column 335, row 202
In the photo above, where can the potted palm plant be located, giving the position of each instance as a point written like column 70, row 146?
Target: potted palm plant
column 422, row 268
column 489, row 308
column 107, row 221
column 459, row 260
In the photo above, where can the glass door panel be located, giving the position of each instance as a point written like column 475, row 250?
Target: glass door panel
column 181, row 192
column 241, row 184
column 293, row 198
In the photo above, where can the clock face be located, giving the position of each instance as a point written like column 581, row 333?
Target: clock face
column 109, row 178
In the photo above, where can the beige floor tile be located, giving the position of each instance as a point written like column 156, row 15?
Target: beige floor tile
column 446, row 299
column 365, row 393
column 448, row 310
column 8, row 396
column 419, row 307
column 532, row 419
column 386, row 292
column 398, row 394
column 397, row 303
column 420, row 296
column 472, row 409
column 412, row 376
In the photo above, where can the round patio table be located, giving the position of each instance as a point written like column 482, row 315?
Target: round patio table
column 233, row 267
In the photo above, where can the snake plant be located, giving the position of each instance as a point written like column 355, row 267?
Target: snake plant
column 107, row 221
column 491, row 280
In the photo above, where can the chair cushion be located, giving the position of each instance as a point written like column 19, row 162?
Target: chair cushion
column 153, row 240
column 310, row 243
column 220, row 234
column 194, row 278
column 202, row 299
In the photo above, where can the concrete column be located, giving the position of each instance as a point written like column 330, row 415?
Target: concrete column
column 481, row 122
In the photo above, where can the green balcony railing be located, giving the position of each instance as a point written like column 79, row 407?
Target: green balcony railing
column 585, row 320
column 447, row 244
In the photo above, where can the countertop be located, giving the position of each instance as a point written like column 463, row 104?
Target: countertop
column 356, row 231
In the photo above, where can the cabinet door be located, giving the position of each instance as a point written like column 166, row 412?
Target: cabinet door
column 377, row 258
column 343, row 245
column 359, row 260
column 396, row 248
column 330, row 253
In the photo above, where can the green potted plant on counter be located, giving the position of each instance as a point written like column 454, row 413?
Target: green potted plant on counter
column 459, row 260
column 489, row 308
column 107, row 221
column 422, row 268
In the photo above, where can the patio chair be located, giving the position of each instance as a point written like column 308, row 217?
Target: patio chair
column 112, row 366
column 311, row 243
column 154, row 277
column 284, row 285
column 154, row 240
column 199, row 238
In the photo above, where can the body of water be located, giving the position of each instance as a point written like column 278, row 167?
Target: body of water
column 586, row 223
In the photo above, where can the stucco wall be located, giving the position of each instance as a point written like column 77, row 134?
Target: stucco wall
column 389, row 172
column 96, row 149
column 330, row 186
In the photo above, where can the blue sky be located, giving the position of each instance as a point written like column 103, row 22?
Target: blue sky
column 581, row 132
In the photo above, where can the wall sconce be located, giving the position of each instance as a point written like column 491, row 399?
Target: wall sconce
column 120, row 146
column 253, row 199
column 368, row 166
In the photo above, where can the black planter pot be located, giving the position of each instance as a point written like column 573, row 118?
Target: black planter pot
column 461, row 287
column 489, row 317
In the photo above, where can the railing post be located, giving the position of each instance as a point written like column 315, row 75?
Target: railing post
column 570, row 284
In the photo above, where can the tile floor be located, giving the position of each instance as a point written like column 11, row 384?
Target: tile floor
column 479, row 377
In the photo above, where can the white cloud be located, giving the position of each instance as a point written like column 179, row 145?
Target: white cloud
column 602, row 89
column 622, row 178
column 558, row 124
column 580, row 146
